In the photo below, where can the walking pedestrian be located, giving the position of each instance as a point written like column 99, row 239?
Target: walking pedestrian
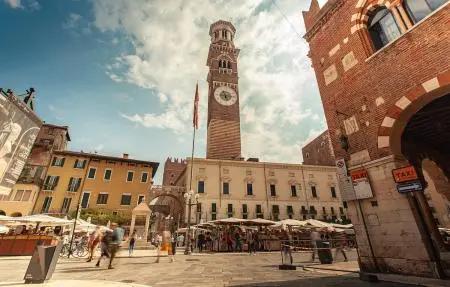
column 158, row 241
column 174, row 244
column 315, row 238
column 201, row 242
column 94, row 240
column 238, row 242
column 116, row 240
column 229, row 241
column 132, row 243
column 180, row 240
column 104, row 247
column 250, row 242
column 340, row 243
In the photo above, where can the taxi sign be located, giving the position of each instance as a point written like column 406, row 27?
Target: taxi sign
column 404, row 174
column 359, row 174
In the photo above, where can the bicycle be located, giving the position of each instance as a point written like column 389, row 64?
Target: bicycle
column 78, row 250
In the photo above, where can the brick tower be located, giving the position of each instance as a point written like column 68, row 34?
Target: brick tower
column 224, row 132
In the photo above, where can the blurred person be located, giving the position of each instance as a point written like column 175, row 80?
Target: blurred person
column 104, row 246
column 158, row 242
column 315, row 238
column 180, row 240
column 132, row 243
column 94, row 240
column 116, row 240
column 340, row 243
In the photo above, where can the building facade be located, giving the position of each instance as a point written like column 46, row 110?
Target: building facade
column 110, row 184
column 24, row 193
column 319, row 151
column 276, row 191
column 383, row 70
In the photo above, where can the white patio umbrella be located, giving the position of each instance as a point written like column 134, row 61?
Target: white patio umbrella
column 260, row 221
column 43, row 219
column 193, row 228
column 343, row 226
column 230, row 220
column 318, row 223
column 4, row 229
column 291, row 222
column 6, row 218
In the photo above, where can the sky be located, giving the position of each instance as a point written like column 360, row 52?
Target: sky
column 122, row 74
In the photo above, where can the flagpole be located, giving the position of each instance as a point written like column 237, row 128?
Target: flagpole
column 187, row 251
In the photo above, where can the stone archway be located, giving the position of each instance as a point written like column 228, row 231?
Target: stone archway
column 167, row 201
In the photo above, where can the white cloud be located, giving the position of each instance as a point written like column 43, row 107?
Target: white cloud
column 115, row 41
column 72, row 21
column 171, row 41
column 15, row 4
column 99, row 147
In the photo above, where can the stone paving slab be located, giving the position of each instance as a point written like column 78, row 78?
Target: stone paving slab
column 74, row 283
column 195, row 270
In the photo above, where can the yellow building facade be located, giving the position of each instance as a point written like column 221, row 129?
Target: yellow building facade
column 249, row 189
column 110, row 184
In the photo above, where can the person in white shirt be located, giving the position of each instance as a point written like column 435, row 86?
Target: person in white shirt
column 315, row 237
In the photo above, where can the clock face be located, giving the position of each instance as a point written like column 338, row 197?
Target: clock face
column 225, row 96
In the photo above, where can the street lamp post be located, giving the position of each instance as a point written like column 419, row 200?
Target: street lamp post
column 188, row 198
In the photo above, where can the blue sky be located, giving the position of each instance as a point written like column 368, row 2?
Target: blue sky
column 121, row 74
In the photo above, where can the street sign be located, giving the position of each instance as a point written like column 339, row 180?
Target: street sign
column 409, row 187
column 404, row 174
column 359, row 174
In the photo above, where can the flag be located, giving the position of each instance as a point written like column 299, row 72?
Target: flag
column 195, row 118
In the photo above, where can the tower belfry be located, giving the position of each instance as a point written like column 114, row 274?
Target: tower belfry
column 224, row 132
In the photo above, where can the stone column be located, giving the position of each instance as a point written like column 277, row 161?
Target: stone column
column 147, row 225
column 398, row 19
column 133, row 223
column 405, row 17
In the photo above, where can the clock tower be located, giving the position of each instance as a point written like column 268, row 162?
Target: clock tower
column 224, row 131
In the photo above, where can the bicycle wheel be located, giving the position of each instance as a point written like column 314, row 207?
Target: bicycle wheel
column 64, row 250
column 82, row 251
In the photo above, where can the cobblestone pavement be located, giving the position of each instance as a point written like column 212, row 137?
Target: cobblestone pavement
column 195, row 270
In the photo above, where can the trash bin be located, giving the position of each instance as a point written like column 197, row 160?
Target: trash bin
column 42, row 263
column 324, row 252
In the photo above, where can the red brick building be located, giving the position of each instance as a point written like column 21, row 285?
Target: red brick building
column 383, row 70
column 319, row 151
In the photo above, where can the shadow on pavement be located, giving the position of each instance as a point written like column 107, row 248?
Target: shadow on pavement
column 322, row 281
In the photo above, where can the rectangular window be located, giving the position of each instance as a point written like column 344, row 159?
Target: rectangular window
column 324, row 210
column 51, row 182
column 66, row 204
column 303, row 210
column 26, row 195
column 230, row 208
column 332, row 210
column 314, row 191
column 91, row 173
column 74, row 184
column 130, row 176
column 249, row 189
column 213, row 208
column 201, row 187
column 344, row 203
column 333, row 191
column 312, row 209
column 141, row 198
column 213, row 216
column 341, row 210
column 226, row 188
column 199, row 207
column 85, row 200
column 275, row 212
column 58, row 161
column 273, row 191
column 258, row 209
column 102, row 198
column 293, row 191
column 290, row 210
column 144, row 177
column 126, row 199
column 79, row 163
column 244, row 208
column 18, row 195
column 46, row 205
column 108, row 174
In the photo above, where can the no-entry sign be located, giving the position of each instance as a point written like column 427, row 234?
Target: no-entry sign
column 404, row 174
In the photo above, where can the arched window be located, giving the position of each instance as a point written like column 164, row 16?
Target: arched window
column 220, row 63
column 419, row 9
column 382, row 28
column 229, row 65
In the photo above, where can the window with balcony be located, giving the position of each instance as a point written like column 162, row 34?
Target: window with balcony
column 213, row 208
column 226, row 188
column 58, row 161
column 46, row 204
column 92, row 172
column 259, row 213
column 126, row 199
column 293, row 191
column 244, row 211
column 249, row 189
column 201, row 187
column 312, row 210
column 79, row 163
column 273, row 190
column 333, row 192
column 276, row 212
column 74, row 184
column 419, row 9
column 51, row 182
column 314, row 191
column 290, row 211
column 383, row 28
column 108, row 174
column 303, row 210
column 102, row 198
column 66, row 205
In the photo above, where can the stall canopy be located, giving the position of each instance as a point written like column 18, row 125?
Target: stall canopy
column 291, row 222
column 230, row 220
column 42, row 219
column 259, row 221
column 4, row 218
column 343, row 226
column 4, row 229
column 318, row 223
